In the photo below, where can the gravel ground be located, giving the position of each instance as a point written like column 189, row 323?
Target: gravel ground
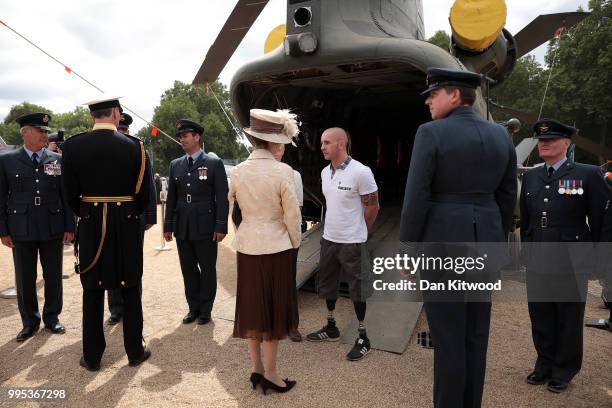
column 203, row 366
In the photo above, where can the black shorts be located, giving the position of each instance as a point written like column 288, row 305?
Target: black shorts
column 348, row 263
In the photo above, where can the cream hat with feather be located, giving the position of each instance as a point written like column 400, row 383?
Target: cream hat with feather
column 273, row 126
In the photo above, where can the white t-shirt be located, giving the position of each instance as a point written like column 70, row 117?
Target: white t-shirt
column 299, row 188
column 344, row 221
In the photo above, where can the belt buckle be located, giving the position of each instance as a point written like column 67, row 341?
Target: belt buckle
column 36, row 200
column 189, row 198
column 544, row 221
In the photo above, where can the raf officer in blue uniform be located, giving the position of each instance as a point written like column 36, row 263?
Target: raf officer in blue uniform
column 33, row 220
column 107, row 182
column 461, row 188
column 562, row 211
column 196, row 212
column 147, row 219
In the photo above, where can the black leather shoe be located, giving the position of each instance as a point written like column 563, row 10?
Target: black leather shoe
column 87, row 366
column 557, row 386
column 113, row 320
column 536, row 378
column 26, row 333
column 144, row 357
column 56, row 328
column 190, row 317
column 203, row 319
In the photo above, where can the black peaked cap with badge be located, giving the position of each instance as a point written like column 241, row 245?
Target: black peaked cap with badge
column 125, row 122
column 552, row 129
column 39, row 120
column 442, row 77
column 186, row 125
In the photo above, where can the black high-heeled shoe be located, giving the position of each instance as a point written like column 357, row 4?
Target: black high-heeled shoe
column 265, row 384
column 255, row 379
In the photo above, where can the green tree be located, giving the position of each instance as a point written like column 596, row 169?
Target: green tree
column 580, row 90
column 522, row 90
column 191, row 102
column 579, row 81
column 9, row 129
column 73, row 122
column 441, row 39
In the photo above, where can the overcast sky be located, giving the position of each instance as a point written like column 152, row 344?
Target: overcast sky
column 137, row 48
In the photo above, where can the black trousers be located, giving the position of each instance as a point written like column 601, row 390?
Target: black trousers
column 115, row 301
column 198, row 261
column 556, row 308
column 460, row 335
column 93, row 325
column 556, row 328
column 25, row 257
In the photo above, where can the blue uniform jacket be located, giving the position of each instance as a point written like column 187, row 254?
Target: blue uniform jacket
column 31, row 205
column 197, row 204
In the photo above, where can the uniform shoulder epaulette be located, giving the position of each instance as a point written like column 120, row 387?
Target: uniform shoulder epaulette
column 213, row 158
column 53, row 154
column 73, row 136
column 134, row 137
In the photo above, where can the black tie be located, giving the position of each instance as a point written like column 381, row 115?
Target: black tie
column 551, row 170
column 190, row 161
column 35, row 159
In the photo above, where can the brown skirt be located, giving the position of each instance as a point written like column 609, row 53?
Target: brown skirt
column 266, row 304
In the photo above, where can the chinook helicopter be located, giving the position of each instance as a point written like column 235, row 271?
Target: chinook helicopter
column 361, row 65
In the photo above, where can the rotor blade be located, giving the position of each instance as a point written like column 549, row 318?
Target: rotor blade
column 524, row 149
column 592, row 147
column 237, row 25
column 530, row 118
column 525, row 117
column 543, row 29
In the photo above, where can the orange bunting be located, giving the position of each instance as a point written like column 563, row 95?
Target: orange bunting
column 154, row 132
column 67, row 69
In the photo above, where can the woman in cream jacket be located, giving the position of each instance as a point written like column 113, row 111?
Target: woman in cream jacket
column 264, row 191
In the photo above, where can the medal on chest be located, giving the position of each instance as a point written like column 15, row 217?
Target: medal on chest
column 203, row 173
column 571, row 187
column 53, row 169
column 561, row 187
column 574, row 187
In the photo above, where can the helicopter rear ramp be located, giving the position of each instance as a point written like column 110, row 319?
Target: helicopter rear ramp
column 391, row 317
